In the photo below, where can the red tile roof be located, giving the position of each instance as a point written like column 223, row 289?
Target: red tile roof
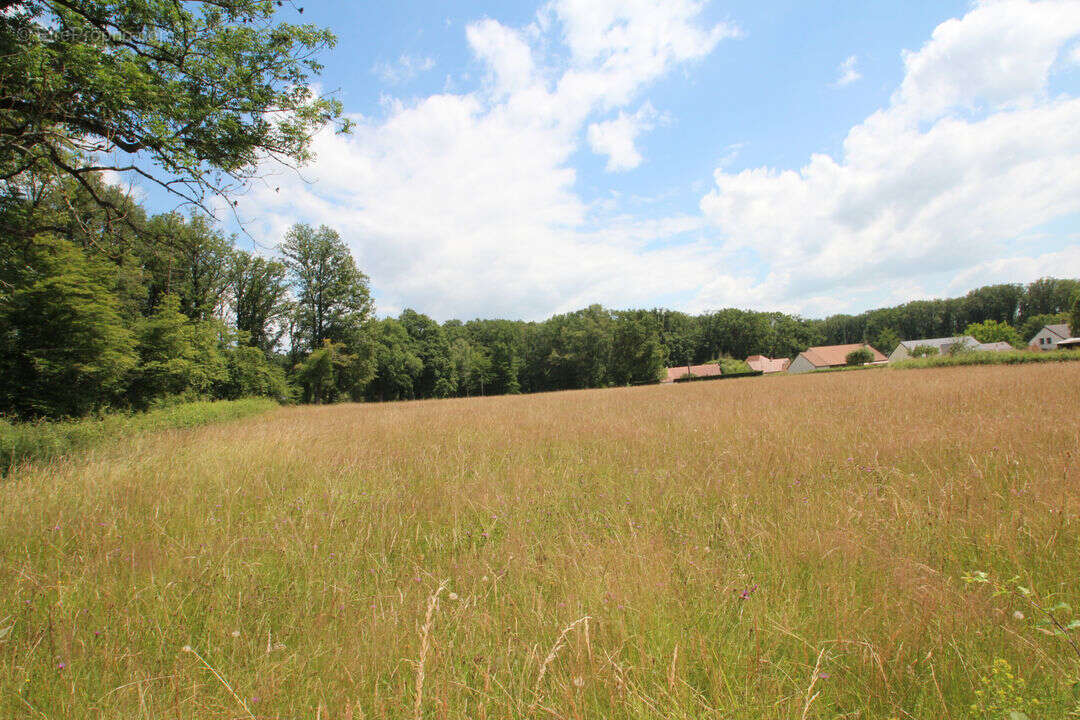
column 675, row 373
column 765, row 365
column 833, row 355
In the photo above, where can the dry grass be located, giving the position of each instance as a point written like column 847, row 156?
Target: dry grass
column 778, row 548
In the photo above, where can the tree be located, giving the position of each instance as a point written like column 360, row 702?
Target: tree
column 260, row 298
column 887, row 340
column 1074, row 316
column 859, row 357
column 333, row 299
column 991, row 331
column 429, row 343
column 193, row 95
column 178, row 356
column 64, row 349
column 397, row 367
column 636, row 353
column 190, row 259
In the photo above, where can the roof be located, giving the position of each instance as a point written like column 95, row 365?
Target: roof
column 675, row 373
column 940, row 343
column 995, row 347
column 1061, row 330
column 763, row 364
column 833, row 355
column 1069, row 342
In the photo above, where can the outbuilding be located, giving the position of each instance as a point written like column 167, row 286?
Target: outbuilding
column 827, row 356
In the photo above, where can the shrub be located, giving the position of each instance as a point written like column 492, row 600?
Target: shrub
column 924, row 351
column 859, row 357
column 24, row 441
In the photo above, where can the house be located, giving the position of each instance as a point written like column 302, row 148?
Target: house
column 677, row 373
column 763, row 364
column 1072, row 343
column 995, row 347
column 819, row 358
column 942, row 345
column 1049, row 337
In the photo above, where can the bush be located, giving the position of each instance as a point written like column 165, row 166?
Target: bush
column 21, row 442
column 924, row 351
column 859, row 357
column 731, row 366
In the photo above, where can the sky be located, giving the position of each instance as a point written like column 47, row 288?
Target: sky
column 516, row 160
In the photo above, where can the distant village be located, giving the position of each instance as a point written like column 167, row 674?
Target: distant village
column 1051, row 337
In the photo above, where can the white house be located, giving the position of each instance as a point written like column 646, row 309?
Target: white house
column 945, row 345
column 1049, row 337
column 941, row 345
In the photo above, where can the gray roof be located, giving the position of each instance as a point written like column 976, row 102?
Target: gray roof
column 996, row 346
column 1062, row 330
column 940, row 343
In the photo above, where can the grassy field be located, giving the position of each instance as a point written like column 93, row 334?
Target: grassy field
column 790, row 548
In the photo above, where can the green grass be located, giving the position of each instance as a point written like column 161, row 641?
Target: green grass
column 21, row 442
column 1015, row 357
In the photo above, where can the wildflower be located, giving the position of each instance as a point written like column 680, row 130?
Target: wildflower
column 235, row 633
column 579, row 682
column 186, row 648
column 1017, row 615
column 484, row 579
column 823, row 676
column 61, row 665
column 452, row 596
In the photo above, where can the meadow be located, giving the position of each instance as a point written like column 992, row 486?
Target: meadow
column 868, row 545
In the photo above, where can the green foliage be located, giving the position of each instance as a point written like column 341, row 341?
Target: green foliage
column 1001, row 693
column 731, row 366
column 64, row 350
column 333, row 299
column 260, row 298
column 859, row 357
column 1074, row 316
column 250, row 374
column 887, row 340
column 200, row 91
column 920, row 351
column 990, row 331
column 177, row 356
column 20, row 442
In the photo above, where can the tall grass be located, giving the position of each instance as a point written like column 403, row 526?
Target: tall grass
column 790, row 549
column 21, row 442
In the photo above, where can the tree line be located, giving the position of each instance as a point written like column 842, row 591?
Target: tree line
column 98, row 314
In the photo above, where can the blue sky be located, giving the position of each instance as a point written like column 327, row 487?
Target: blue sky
column 519, row 159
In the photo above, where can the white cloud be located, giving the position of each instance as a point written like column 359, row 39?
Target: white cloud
column 406, row 68
column 615, row 138
column 970, row 154
column 464, row 204
column 848, row 72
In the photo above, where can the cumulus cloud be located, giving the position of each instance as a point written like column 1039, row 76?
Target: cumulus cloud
column 406, row 68
column 848, row 72
column 463, row 204
column 615, row 138
column 971, row 153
